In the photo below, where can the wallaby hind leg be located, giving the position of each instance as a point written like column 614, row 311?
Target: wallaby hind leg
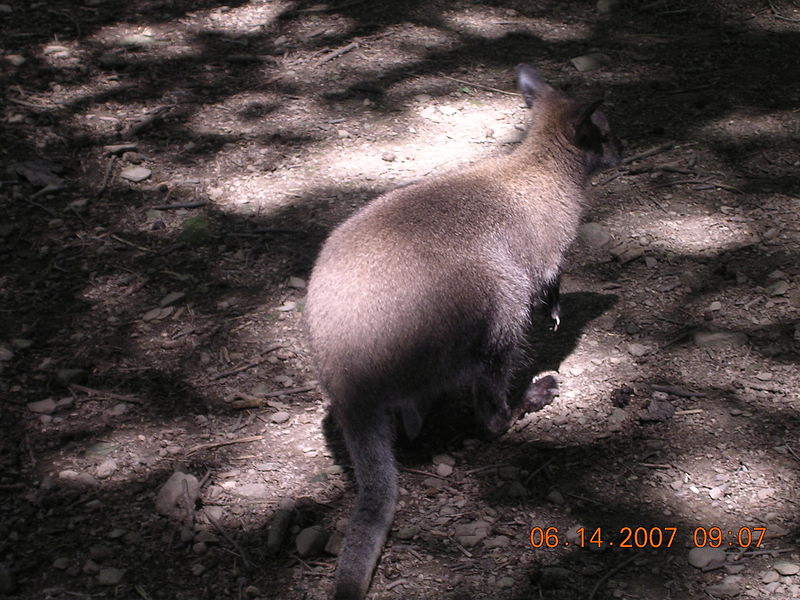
column 368, row 435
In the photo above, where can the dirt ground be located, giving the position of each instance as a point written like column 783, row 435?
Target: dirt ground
column 169, row 171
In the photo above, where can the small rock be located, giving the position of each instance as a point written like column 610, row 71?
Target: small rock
column 726, row 589
column 657, row 411
column 198, row 569
column 110, row 576
column 650, row 262
column 171, row 298
column 297, row 283
column 389, row 156
column 407, row 533
column 786, row 568
column 61, row 563
column 256, row 491
column 16, row 60
column 498, row 541
column 779, row 288
column 715, row 339
column 287, row 306
column 444, row 459
column 590, row 62
column 344, row 134
column 280, row 417
column 136, row 174
column 68, row 376
column 555, row 497
column 703, row 557
column 172, row 497
column 279, row 526
column 553, row 577
column 5, row 354
column 616, row 419
column 56, row 50
column 715, row 306
column 311, row 540
column 638, row 349
column 119, row 409
column 448, row 110
column 43, row 407
column 469, row 534
column 5, row 9
column 516, row 490
column 444, row 470
column 770, row 577
column 334, row 544
column 605, row 6
column 106, row 468
column 595, row 235
column 100, row 553
column 21, row 344
column 718, row 492
column 505, row 582
column 138, row 40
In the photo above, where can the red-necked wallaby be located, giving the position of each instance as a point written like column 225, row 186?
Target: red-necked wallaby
column 432, row 286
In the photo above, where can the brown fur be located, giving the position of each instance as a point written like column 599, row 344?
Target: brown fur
column 432, row 286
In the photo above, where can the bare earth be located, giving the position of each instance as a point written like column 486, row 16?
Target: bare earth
column 136, row 341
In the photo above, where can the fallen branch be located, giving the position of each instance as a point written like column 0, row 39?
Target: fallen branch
column 677, row 391
column 177, row 205
column 107, row 176
column 252, row 401
column 41, row 206
column 131, row 244
column 336, row 53
column 229, row 539
column 646, row 153
column 110, row 395
column 611, row 573
column 208, row 446
column 479, row 85
column 249, row 365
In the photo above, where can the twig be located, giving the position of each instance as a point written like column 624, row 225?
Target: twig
column 249, row 365
column 107, row 176
column 197, row 204
column 141, row 591
column 611, row 573
column 319, row 9
column 254, row 401
column 421, row 473
column 486, row 468
column 780, row 16
column 50, row 187
column 479, row 85
column 396, row 582
column 209, row 445
column 109, row 395
column 131, row 244
column 646, row 153
column 689, row 411
column 677, row 391
column 336, row 53
column 37, row 205
column 229, row 539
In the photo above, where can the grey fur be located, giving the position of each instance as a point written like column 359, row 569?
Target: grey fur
column 432, row 286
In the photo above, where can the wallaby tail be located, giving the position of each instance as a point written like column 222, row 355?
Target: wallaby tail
column 369, row 441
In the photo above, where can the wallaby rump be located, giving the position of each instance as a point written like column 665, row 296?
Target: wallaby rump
column 432, row 286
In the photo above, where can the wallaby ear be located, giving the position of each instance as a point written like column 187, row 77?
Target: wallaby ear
column 586, row 129
column 530, row 83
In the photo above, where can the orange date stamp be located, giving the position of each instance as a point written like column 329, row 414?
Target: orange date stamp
column 646, row 537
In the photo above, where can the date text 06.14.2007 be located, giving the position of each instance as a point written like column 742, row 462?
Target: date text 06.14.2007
column 646, row 537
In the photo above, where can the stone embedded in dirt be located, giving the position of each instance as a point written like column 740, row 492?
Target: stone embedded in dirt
column 605, row 6
column 516, row 489
column 590, row 62
column 8, row 583
column 110, row 576
column 43, row 407
column 779, row 288
column 448, row 110
column 136, row 174
column 505, row 582
column 469, row 534
column 297, row 283
column 408, row 532
column 280, row 417
column 657, row 410
column 171, row 298
column 727, row 589
column 279, row 526
column 770, row 577
column 553, row 577
column 444, row 459
column 616, row 419
column 178, row 495
column 594, row 235
column 138, row 40
column 106, row 468
column 119, row 409
column 444, row 470
column 718, row 492
column 16, row 60
column 498, row 541
column 68, row 376
column 637, row 350
column 61, row 563
column 703, row 557
column 786, row 568
column 311, row 540
column 389, row 156
column 334, row 544
column 716, row 339
column 21, row 344
column 100, row 553
column 555, row 497
column 90, row 567
column 5, row 354
column 6, row 9
column 256, row 491
column 287, row 306
column 715, row 306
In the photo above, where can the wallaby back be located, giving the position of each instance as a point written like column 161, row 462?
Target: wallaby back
column 432, row 286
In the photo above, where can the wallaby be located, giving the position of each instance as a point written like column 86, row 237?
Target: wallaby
column 432, row 286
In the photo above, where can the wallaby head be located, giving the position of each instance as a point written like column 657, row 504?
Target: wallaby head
column 431, row 287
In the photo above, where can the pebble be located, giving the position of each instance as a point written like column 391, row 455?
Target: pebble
column 5, row 354
column 280, row 525
column 389, row 156
column 43, row 407
column 138, row 40
column 444, row 459
column 657, row 410
column 770, row 577
column 100, row 553
column 311, row 540
column 136, row 174
column 106, row 468
column 786, row 568
column 637, row 349
column 605, row 6
column 61, row 563
column 590, row 62
column 714, row 339
column 444, row 470
column 171, row 498
column 505, row 582
column 297, row 283
column 5, row 8
column 253, row 490
column 280, row 417
column 90, row 567
column 595, row 235
column 715, row 306
column 408, row 532
column 171, row 298
column 498, row 541
column 555, row 497
column 616, row 419
column 702, row 557
column 469, row 534
column 729, row 587
column 779, row 288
